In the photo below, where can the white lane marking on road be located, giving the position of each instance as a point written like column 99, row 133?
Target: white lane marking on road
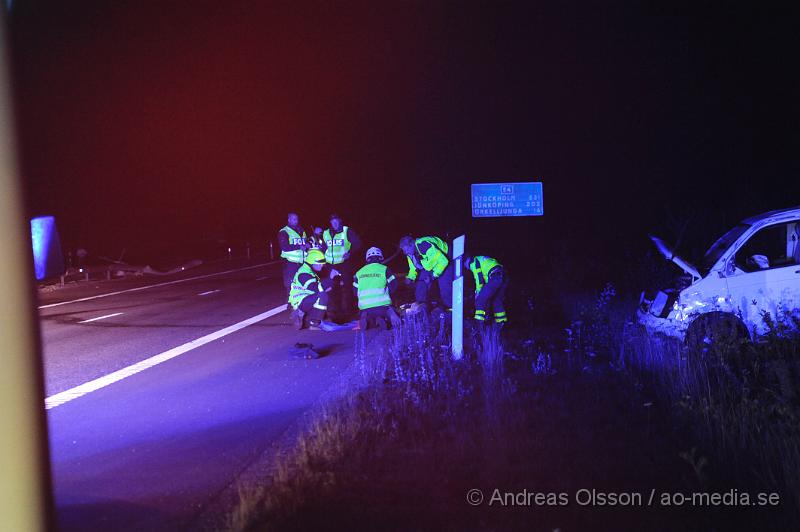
column 102, row 317
column 262, row 278
column 208, row 293
column 155, row 285
column 101, row 382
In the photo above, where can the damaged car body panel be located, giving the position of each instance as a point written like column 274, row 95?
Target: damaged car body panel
column 750, row 275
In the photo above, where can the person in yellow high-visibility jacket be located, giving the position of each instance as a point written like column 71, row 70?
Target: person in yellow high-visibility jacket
column 308, row 294
column 339, row 242
column 429, row 261
column 294, row 245
column 491, row 283
column 374, row 285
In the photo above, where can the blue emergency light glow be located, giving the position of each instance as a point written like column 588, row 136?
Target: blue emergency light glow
column 42, row 229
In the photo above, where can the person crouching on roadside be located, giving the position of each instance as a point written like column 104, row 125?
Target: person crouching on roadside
column 308, row 295
column 491, row 283
column 428, row 261
column 374, row 285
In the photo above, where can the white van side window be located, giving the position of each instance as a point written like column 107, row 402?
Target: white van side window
column 770, row 247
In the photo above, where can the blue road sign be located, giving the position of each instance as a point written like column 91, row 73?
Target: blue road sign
column 507, row 199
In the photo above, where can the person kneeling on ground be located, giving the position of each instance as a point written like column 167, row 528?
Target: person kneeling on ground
column 491, row 282
column 308, row 295
column 374, row 284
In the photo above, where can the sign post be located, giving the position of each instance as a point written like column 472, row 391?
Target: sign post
column 491, row 200
column 458, row 298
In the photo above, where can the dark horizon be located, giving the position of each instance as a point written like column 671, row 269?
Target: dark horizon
column 146, row 128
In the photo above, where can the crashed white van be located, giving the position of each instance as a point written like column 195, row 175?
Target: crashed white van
column 752, row 269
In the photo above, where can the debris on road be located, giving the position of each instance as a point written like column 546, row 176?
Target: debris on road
column 304, row 350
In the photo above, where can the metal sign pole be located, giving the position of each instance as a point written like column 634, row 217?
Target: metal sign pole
column 458, row 298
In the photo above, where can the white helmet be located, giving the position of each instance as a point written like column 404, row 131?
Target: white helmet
column 374, row 252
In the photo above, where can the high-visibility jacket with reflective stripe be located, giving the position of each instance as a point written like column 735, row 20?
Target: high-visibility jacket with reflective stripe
column 304, row 284
column 372, row 284
column 481, row 268
column 295, row 239
column 433, row 260
column 337, row 245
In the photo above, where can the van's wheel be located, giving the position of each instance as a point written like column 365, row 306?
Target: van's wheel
column 715, row 333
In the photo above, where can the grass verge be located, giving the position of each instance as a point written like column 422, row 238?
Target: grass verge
column 513, row 418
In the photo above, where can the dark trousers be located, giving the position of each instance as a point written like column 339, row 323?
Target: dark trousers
column 491, row 296
column 342, row 299
column 445, row 282
column 289, row 269
column 314, row 306
column 372, row 315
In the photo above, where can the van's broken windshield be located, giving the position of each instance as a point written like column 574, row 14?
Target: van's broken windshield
column 718, row 248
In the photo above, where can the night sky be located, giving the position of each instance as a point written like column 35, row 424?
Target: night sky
column 151, row 125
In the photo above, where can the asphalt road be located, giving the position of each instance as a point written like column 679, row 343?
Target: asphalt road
column 149, row 447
